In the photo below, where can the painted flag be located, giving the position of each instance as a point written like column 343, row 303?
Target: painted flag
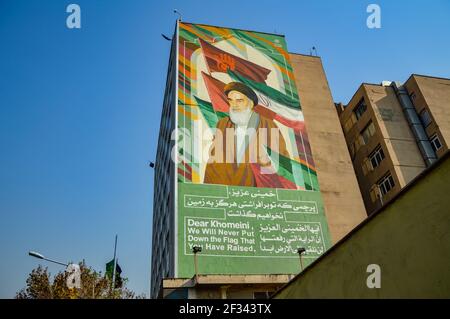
column 215, row 91
column 266, row 112
column 219, row 102
column 303, row 146
column 210, row 115
column 270, row 180
column 280, row 103
column 186, row 170
column 218, row 60
column 285, row 169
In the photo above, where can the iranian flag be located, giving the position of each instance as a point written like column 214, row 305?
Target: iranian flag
column 272, row 103
column 266, row 107
column 285, row 107
column 283, row 175
column 210, row 115
column 286, row 167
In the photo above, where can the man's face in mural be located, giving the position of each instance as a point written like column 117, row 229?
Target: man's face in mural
column 239, row 102
column 240, row 107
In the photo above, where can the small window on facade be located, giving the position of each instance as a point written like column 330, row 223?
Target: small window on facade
column 360, row 109
column 350, row 122
column 435, row 142
column 358, row 142
column 374, row 193
column 412, row 96
column 348, row 125
column 425, row 118
column 368, row 132
column 366, row 168
column 376, row 156
column 386, row 184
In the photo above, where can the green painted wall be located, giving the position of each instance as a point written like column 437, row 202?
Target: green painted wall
column 249, row 230
column 409, row 240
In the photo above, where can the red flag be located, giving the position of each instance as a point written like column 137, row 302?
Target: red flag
column 216, row 94
column 218, row 60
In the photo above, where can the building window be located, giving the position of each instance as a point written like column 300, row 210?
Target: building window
column 386, row 184
column 376, row 156
column 368, row 132
column 366, row 167
column 425, row 117
column 349, row 123
column 360, row 109
column 435, row 142
column 358, row 143
column 374, row 193
column 412, row 96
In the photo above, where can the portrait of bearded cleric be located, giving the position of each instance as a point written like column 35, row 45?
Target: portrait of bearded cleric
column 238, row 154
column 239, row 109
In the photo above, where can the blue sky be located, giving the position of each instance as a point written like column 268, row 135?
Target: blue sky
column 80, row 109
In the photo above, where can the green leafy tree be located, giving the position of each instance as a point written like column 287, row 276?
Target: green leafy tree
column 94, row 285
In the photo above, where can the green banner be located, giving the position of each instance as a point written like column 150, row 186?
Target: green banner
column 247, row 230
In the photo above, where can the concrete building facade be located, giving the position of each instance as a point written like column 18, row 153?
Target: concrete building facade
column 364, row 154
column 393, row 132
column 431, row 99
column 401, row 251
column 344, row 207
column 163, row 235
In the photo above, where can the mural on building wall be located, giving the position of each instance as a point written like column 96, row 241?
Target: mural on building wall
column 247, row 184
column 232, row 79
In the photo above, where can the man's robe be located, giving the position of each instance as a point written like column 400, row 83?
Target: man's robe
column 227, row 168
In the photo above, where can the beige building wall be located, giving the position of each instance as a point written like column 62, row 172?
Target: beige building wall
column 408, row 239
column 400, row 141
column 403, row 159
column 432, row 94
column 342, row 199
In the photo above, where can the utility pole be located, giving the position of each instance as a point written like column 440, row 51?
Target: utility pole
column 40, row 256
column 195, row 250
column 115, row 265
column 300, row 251
column 380, row 196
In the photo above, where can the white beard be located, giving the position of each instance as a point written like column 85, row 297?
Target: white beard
column 240, row 119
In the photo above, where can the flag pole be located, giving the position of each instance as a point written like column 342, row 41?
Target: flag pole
column 115, row 264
